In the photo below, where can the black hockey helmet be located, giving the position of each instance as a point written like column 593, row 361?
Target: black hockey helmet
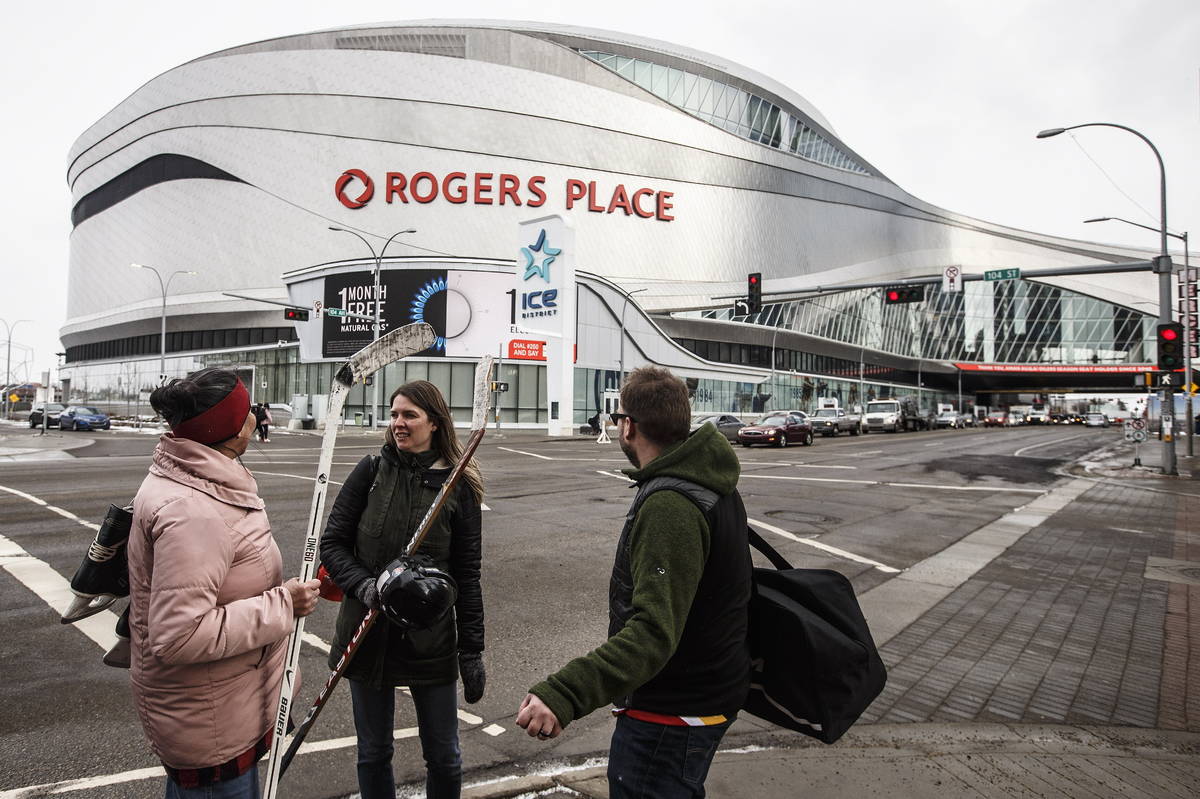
column 414, row 594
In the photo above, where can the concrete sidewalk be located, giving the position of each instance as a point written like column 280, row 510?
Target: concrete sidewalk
column 1053, row 653
column 910, row 760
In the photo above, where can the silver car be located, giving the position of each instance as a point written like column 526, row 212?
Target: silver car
column 726, row 423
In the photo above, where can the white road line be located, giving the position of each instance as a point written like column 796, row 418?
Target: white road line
column 523, row 452
column 494, row 730
column 613, row 474
column 137, row 775
column 896, row 485
column 50, row 586
column 841, row 553
column 64, row 513
column 296, row 476
column 1017, row 454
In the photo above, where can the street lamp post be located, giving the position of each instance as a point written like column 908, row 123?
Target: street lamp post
column 375, row 299
column 1162, row 266
column 8, row 381
column 625, row 305
column 162, row 350
column 1187, row 324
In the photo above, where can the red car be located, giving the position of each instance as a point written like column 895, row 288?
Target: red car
column 998, row 419
column 778, row 429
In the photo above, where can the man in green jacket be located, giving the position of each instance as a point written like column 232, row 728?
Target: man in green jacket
column 676, row 664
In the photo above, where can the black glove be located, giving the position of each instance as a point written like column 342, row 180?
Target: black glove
column 474, row 678
column 368, row 594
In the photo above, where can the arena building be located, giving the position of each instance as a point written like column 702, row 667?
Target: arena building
column 460, row 158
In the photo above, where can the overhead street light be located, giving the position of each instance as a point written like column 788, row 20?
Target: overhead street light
column 8, row 381
column 1162, row 266
column 163, row 287
column 1187, row 324
column 375, row 299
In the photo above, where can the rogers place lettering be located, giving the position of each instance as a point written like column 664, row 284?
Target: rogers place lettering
column 490, row 188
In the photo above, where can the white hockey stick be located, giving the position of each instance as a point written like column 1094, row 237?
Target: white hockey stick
column 393, row 346
column 478, row 425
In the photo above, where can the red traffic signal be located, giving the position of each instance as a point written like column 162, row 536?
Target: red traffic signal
column 754, row 291
column 295, row 314
column 1170, row 346
column 895, row 295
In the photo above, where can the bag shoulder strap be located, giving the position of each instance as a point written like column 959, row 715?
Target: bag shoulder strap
column 759, row 543
column 702, row 497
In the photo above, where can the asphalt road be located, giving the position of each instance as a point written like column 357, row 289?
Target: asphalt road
column 865, row 506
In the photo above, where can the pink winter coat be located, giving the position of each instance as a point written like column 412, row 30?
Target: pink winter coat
column 209, row 617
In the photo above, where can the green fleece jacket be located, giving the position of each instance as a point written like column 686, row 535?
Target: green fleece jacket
column 669, row 546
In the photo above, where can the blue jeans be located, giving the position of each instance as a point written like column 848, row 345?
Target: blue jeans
column 244, row 787
column 656, row 761
column 437, row 724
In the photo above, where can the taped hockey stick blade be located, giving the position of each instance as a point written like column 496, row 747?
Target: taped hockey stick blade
column 479, row 407
column 394, row 345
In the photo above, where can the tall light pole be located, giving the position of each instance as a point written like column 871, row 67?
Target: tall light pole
column 162, row 350
column 624, row 305
column 1187, row 324
column 1162, row 267
column 8, row 331
column 375, row 298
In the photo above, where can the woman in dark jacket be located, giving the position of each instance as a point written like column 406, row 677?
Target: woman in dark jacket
column 375, row 515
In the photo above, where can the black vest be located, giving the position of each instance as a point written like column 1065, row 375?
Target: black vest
column 709, row 672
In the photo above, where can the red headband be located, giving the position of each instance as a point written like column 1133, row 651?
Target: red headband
column 220, row 422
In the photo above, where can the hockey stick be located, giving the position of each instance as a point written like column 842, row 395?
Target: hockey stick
column 478, row 426
column 393, row 346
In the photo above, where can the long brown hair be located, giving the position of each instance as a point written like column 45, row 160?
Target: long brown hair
column 427, row 397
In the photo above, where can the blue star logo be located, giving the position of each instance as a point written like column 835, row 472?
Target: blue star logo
column 531, row 267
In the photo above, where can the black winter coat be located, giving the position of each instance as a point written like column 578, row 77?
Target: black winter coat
column 372, row 520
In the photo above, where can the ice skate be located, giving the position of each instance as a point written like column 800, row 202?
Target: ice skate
column 118, row 655
column 103, row 577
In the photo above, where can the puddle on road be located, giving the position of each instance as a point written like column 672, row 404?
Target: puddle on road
column 1005, row 467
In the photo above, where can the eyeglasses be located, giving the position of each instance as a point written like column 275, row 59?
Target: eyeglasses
column 617, row 417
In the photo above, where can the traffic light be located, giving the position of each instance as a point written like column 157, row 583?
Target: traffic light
column 895, row 295
column 295, row 314
column 754, row 291
column 1170, row 346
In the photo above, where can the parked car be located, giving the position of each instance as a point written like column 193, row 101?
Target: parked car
column 727, row 424
column 780, row 429
column 996, row 419
column 948, row 419
column 52, row 411
column 1095, row 420
column 831, row 421
column 83, row 417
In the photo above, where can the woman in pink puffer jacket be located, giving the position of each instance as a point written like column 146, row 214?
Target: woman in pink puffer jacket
column 209, row 611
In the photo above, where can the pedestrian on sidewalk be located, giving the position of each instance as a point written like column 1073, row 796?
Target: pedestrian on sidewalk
column 262, row 421
column 676, row 664
column 374, row 516
column 210, row 614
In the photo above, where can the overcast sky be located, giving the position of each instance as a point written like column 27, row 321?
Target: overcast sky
column 943, row 96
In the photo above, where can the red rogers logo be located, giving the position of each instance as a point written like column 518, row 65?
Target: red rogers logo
column 368, row 191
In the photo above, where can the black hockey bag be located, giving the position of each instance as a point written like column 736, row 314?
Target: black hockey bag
column 814, row 665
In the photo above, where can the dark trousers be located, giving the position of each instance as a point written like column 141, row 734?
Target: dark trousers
column 243, row 787
column 437, row 725
column 656, row 761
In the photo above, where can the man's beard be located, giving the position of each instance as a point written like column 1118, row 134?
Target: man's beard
column 628, row 450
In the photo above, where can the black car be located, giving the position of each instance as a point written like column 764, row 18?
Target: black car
column 52, row 411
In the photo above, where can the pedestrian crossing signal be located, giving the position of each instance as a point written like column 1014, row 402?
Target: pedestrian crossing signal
column 895, row 295
column 296, row 314
column 1170, row 346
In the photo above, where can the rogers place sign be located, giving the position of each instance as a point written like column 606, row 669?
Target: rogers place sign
column 354, row 188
